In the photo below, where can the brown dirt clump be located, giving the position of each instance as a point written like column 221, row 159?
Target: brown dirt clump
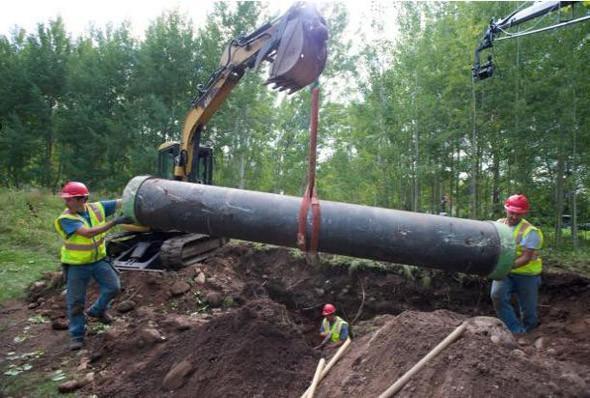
column 477, row 365
column 252, row 351
column 244, row 323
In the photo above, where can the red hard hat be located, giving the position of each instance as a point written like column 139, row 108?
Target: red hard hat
column 72, row 189
column 517, row 204
column 328, row 309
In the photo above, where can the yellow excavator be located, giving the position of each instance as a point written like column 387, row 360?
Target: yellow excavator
column 296, row 46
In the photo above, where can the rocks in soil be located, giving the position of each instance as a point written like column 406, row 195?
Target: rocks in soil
column 574, row 379
column 75, row 384
column 176, row 377
column 248, row 350
column 59, row 324
column 214, row 299
column 149, row 336
column 114, row 334
column 125, row 306
column 179, row 288
column 39, row 285
column 200, row 278
column 178, row 322
column 255, row 349
column 492, row 327
column 69, row 386
column 474, row 365
column 516, row 353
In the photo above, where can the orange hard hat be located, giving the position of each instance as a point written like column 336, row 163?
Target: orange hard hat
column 517, row 204
column 328, row 309
column 73, row 189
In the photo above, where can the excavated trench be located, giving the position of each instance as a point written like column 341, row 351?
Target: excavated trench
column 245, row 321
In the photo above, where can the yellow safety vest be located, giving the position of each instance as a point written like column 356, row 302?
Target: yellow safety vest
column 78, row 249
column 335, row 329
column 522, row 229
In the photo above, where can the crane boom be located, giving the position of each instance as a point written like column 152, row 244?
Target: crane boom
column 498, row 28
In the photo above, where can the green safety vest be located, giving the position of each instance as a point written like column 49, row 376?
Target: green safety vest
column 335, row 329
column 522, row 229
column 78, row 249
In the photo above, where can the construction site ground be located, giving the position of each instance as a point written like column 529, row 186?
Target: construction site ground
column 244, row 323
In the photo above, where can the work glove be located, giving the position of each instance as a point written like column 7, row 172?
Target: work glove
column 123, row 219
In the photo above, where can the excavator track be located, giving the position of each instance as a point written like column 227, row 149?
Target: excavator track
column 185, row 250
column 159, row 251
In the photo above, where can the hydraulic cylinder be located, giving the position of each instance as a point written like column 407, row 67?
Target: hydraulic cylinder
column 447, row 243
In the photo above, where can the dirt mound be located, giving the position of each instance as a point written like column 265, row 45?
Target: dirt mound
column 252, row 351
column 485, row 362
column 244, row 321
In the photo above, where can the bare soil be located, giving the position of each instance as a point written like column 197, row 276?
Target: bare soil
column 245, row 321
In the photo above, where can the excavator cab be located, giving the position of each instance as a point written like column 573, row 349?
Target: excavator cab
column 202, row 170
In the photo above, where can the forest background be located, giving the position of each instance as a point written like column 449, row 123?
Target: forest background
column 402, row 124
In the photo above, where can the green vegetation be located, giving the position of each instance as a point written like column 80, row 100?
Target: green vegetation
column 22, row 377
column 28, row 244
column 20, row 267
column 33, row 384
column 402, row 125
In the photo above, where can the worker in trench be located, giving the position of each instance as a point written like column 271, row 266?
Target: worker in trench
column 334, row 330
column 525, row 278
column 82, row 226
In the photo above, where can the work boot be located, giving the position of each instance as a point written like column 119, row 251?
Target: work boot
column 103, row 318
column 76, row 345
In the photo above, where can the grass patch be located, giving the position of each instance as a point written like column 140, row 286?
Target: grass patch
column 564, row 257
column 27, row 220
column 31, row 384
column 572, row 261
column 20, row 267
column 29, row 245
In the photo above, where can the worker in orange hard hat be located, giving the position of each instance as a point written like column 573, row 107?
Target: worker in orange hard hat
column 334, row 330
column 525, row 278
column 82, row 226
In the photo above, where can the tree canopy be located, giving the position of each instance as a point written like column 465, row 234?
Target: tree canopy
column 402, row 124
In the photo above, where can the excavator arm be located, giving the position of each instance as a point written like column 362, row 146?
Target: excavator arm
column 294, row 43
column 497, row 30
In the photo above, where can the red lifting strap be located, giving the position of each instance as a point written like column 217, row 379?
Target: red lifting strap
column 310, row 196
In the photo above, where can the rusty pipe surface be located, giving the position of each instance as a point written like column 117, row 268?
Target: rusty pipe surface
column 447, row 243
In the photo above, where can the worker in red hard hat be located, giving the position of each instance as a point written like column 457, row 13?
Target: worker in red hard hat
column 334, row 330
column 525, row 278
column 82, row 226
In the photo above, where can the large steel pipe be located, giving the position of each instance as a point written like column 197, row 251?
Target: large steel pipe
column 448, row 243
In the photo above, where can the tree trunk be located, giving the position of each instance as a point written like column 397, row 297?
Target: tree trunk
column 559, row 194
column 416, row 190
column 496, row 207
column 242, row 182
column 575, row 176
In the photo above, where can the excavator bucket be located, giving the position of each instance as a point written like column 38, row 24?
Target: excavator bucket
column 302, row 52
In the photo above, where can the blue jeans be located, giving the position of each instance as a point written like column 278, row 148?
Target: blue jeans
column 526, row 288
column 78, row 278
